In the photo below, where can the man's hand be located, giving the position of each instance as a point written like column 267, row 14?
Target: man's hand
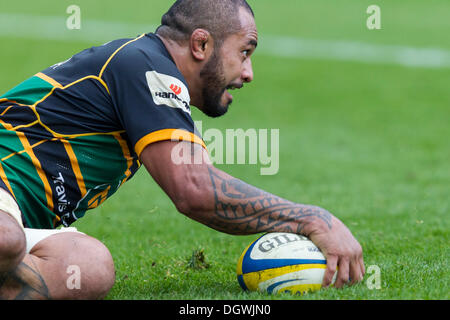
column 343, row 253
column 224, row 203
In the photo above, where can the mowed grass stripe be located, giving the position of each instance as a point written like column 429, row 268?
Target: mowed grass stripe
column 94, row 31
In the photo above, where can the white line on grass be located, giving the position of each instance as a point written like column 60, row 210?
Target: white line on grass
column 95, row 32
column 356, row 51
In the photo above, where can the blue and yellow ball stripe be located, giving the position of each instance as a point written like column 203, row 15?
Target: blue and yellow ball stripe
column 277, row 275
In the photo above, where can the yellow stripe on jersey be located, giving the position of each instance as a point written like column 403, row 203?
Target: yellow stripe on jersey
column 40, row 171
column 5, row 111
column 48, row 79
column 103, row 84
column 56, row 219
column 115, row 52
column 56, row 84
column 167, row 134
column 5, row 180
column 29, row 150
column 126, row 154
column 59, row 135
column 75, row 166
column 22, row 151
column 25, row 125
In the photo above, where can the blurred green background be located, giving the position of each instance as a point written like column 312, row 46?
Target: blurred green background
column 361, row 134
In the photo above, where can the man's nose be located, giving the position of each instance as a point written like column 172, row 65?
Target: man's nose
column 247, row 72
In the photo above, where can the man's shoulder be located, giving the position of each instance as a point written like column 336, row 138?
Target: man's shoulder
column 144, row 52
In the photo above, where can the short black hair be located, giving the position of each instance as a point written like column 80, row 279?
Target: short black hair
column 219, row 17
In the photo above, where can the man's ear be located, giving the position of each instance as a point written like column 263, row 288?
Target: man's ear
column 201, row 44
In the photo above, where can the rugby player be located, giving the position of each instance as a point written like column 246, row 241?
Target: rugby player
column 71, row 135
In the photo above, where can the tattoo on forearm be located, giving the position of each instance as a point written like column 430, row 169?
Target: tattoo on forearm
column 23, row 283
column 241, row 209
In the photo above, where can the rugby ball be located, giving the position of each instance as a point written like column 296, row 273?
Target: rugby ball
column 281, row 262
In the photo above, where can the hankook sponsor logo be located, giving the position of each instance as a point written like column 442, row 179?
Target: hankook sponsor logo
column 168, row 91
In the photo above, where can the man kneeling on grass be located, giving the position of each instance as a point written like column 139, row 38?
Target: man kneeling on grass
column 72, row 134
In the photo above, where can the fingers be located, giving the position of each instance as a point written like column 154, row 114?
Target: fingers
column 343, row 273
column 343, row 253
column 362, row 267
column 356, row 274
column 329, row 271
column 350, row 270
column 358, row 270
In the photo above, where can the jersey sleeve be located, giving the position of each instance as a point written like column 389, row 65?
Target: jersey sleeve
column 151, row 98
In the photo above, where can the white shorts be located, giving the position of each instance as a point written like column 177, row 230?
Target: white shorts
column 33, row 236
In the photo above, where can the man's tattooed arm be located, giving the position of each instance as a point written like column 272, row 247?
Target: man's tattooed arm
column 214, row 198
column 240, row 208
column 23, row 283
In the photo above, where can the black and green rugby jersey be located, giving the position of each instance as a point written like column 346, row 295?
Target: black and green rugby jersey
column 71, row 135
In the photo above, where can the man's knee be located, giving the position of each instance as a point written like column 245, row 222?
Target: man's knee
column 82, row 266
column 97, row 273
column 12, row 242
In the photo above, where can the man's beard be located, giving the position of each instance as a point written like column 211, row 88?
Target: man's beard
column 214, row 86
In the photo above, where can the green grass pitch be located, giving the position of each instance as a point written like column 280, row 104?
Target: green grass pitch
column 367, row 141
